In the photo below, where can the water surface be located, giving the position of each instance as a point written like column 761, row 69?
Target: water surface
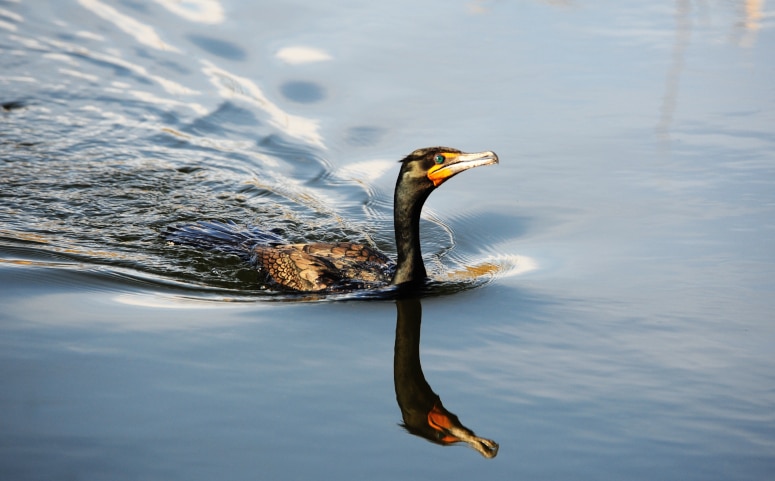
column 612, row 310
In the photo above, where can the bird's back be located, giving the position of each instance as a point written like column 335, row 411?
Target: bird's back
column 320, row 266
column 301, row 267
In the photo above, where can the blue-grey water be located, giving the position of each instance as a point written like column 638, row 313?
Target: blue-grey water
column 604, row 297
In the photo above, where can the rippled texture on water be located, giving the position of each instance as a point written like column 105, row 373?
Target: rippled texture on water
column 608, row 286
column 104, row 191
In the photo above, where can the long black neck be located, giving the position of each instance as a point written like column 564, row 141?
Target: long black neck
column 407, row 205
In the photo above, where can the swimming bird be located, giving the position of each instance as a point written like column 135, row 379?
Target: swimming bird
column 345, row 265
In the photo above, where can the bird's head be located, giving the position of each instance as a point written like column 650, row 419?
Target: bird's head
column 428, row 168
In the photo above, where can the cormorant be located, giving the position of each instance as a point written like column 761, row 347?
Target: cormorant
column 345, row 265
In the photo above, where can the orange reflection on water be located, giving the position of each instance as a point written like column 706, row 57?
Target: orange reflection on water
column 752, row 16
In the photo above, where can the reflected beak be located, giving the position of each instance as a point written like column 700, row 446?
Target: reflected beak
column 457, row 163
column 452, row 432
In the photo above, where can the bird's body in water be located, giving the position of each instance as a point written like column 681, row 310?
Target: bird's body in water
column 344, row 265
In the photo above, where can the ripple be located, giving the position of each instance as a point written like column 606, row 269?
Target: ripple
column 120, row 151
column 200, row 11
column 234, row 86
column 144, row 34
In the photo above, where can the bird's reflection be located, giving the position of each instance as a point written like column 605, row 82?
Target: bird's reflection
column 422, row 410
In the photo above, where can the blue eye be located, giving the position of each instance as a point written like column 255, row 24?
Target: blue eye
column 439, row 159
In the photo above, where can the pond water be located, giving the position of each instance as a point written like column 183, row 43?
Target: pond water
column 602, row 305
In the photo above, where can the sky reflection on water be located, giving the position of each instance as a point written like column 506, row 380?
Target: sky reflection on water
column 625, row 331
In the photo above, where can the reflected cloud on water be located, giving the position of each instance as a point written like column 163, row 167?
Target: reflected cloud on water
column 297, row 55
column 199, row 11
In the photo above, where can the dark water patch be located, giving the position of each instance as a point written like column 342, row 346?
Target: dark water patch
column 218, row 47
column 13, row 105
column 190, row 169
column 138, row 7
column 303, row 91
column 364, row 136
